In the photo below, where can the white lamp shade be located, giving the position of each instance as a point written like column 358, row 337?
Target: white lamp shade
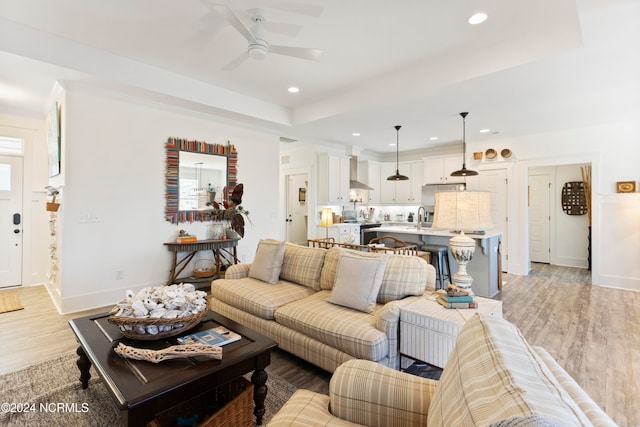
column 463, row 211
column 326, row 217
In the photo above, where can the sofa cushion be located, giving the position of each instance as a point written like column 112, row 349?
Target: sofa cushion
column 302, row 265
column 257, row 297
column 348, row 330
column 493, row 374
column 267, row 263
column 403, row 275
column 358, row 281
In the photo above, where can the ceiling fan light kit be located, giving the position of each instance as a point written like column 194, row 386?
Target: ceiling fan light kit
column 397, row 176
column 259, row 48
column 464, row 171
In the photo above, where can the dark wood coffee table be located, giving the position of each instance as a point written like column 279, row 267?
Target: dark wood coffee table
column 143, row 389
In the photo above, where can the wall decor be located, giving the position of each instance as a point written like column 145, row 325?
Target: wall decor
column 574, row 201
column 53, row 142
column 626, row 187
column 174, row 148
column 302, row 194
column 490, row 153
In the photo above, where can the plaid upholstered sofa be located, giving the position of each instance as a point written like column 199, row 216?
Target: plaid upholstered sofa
column 296, row 304
column 493, row 377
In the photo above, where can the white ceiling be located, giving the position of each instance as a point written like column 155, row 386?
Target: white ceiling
column 533, row 66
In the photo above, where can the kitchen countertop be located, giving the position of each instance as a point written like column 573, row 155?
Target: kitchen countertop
column 427, row 231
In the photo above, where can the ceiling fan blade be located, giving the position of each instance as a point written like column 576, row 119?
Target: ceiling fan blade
column 233, row 19
column 298, row 52
column 236, row 62
column 299, row 8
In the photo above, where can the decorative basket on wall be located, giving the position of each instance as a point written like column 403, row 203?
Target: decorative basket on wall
column 573, row 198
column 52, row 206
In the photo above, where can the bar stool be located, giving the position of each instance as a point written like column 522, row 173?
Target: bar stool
column 439, row 259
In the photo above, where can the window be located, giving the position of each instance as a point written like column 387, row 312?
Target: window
column 11, row 145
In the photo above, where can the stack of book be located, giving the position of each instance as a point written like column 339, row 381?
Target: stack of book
column 463, row 301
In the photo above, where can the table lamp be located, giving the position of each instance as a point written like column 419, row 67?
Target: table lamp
column 326, row 219
column 460, row 212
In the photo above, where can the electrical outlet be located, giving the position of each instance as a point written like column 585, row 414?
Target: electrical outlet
column 119, row 275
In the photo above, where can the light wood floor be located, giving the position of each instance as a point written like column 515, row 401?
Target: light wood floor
column 593, row 332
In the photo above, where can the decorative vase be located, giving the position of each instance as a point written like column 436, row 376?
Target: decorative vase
column 215, row 231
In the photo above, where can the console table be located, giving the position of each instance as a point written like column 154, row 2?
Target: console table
column 222, row 249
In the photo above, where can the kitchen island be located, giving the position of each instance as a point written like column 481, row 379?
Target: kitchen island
column 484, row 267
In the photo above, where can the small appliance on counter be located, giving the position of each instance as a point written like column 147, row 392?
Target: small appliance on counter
column 350, row 216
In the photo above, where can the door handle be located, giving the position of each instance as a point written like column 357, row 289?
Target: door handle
column 17, row 231
column 16, row 219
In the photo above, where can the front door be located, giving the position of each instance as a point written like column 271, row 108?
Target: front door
column 10, row 221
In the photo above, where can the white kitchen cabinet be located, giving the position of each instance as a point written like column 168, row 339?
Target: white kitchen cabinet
column 437, row 170
column 387, row 188
column 341, row 233
column 370, row 175
column 333, row 179
column 401, row 192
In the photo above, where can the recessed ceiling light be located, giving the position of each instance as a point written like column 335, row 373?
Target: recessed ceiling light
column 485, row 130
column 433, row 138
column 393, row 144
column 477, row 18
column 356, row 134
column 293, row 89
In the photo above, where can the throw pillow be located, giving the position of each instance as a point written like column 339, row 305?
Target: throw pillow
column 268, row 261
column 358, row 280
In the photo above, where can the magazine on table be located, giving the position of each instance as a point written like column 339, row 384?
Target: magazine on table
column 215, row 336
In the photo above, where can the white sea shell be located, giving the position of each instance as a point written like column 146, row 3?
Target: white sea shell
column 152, row 330
column 157, row 313
column 171, row 314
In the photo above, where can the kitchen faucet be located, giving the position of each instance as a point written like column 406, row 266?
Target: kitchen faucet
column 420, row 218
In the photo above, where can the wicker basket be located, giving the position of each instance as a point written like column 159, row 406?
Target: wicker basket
column 229, row 405
column 204, row 268
column 185, row 323
column 52, row 206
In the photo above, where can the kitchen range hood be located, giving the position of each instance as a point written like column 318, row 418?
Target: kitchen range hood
column 354, row 184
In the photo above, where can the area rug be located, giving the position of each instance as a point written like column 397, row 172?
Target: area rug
column 9, row 301
column 50, row 394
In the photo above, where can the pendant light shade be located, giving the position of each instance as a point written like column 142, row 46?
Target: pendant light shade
column 397, row 176
column 464, row 171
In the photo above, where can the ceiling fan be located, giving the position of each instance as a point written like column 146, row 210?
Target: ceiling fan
column 259, row 47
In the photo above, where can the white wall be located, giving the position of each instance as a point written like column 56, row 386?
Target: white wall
column 114, row 168
column 613, row 151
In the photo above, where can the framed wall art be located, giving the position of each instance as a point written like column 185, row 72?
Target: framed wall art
column 626, row 187
column 53, row 142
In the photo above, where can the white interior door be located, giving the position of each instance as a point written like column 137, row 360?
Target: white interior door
column 495, row 182
column 297, row 209
column 539, row 217
column 10, row 221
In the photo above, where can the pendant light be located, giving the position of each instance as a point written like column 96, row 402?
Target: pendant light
column 464, row 171
column 397, row 176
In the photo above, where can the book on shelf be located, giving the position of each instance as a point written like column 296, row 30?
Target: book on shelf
column 447, row 304
column 215, row 336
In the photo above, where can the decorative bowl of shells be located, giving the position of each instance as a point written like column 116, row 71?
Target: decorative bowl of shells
column 159, row 312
